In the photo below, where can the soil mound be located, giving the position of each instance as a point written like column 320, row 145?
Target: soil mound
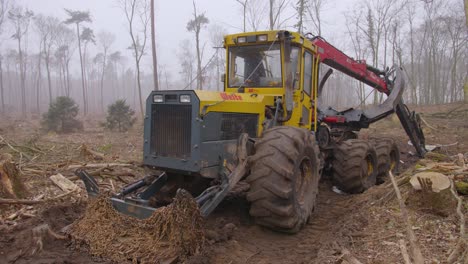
column 172, row 232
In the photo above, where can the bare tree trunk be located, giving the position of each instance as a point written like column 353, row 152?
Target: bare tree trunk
column 244, row 11
column 85, row 110
column 466, row 15
column 104, row 63
column 153, row 47
column 271, row 19
column 39, row 82
column 300, row 13
column 2, row 94
column 22, row 78
column 197, row 44
column 67, row 70
column 49, row 80
column 139, row 88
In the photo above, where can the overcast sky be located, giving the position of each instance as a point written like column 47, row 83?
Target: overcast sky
column 171, row 19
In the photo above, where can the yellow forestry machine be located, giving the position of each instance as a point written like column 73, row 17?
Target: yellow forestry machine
column 267, row 129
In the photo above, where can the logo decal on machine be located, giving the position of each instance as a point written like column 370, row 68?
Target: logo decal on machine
column 233, row 97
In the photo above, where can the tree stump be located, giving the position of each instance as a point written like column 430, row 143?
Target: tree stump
column 431, row 193
column 11, row 185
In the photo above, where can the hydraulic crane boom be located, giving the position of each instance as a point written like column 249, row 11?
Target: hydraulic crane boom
column 379, row 80
column 358, row 69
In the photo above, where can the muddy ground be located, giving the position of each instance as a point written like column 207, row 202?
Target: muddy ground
column 369, row 225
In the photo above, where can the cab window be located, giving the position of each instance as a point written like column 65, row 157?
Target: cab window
column 307, row 82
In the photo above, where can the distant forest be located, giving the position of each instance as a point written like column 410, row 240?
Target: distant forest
column 49, row 57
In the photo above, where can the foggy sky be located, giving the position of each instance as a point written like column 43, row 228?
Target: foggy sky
column 171, row 20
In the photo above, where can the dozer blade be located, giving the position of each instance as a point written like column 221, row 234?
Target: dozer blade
column 137, row 206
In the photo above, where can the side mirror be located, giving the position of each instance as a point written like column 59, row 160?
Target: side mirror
column 223, row 77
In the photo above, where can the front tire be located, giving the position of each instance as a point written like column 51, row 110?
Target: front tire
column 284, row 179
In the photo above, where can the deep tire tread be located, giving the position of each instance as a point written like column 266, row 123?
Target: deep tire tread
column 272, row 178
column 348, row 157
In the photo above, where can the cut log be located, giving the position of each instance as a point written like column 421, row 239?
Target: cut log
column 11, row 185
column 63, row 183
column 89, row 153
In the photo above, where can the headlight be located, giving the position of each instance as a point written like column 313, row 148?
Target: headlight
column 158, row 98
column 241, row 39
column 262, row 37
column 184, row 98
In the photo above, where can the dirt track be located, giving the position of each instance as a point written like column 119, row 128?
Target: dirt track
column 369, row 225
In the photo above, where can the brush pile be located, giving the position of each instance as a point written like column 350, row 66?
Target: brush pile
column 173, row 232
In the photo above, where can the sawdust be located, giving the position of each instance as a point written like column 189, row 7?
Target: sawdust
column 172, row 232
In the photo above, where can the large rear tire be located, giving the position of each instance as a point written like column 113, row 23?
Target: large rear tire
column 284, row 179
column 388, row 157
column 354, row 166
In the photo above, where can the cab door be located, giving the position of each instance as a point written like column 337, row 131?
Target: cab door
column 307, row 90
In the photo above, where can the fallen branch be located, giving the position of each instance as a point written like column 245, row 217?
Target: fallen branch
column 427, row 124
column 2, row 139
column 32, row 202
column 404, row 251
column 100, row 165
column 461, row 244
column 415, row 250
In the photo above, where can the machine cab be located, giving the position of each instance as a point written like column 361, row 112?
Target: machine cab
column 280, row 64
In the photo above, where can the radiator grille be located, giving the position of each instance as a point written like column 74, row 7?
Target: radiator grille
column 233, row 124
column 171, row 130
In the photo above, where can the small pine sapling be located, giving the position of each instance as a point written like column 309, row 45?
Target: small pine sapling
column 120, row 116
column 61, row 116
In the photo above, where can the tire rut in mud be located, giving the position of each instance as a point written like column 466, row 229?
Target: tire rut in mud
column 254, row 244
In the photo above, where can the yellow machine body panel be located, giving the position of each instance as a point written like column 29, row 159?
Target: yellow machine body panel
column 224, row 102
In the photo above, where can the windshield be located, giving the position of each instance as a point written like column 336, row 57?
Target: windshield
column 255, row 66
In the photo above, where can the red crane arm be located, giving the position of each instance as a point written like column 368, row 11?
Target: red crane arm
column 358, row 69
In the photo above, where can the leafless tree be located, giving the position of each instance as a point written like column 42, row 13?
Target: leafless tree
column 77, row 18
column 4, row 8
column 47, row 30
column 301, row 6
column 195, row 25
column 106, row 39
column 466, row 14
column 153, row 49
column 314, row 10
column 379, row 14
column 187, row 60
column 360, row 50
column 64, row 41
column 243, row 3
column 217, row 34
column 136, row 13
column 256, row 11
column 276, row 8
column 87, row 37
column 21, row 19
column 115, row 59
